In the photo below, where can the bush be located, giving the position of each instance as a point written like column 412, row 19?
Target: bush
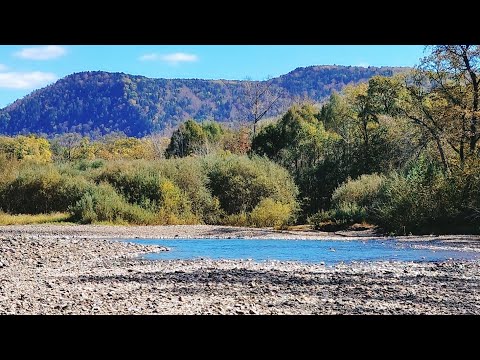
column 30, row 148
column 222, row 188
column 240, row 219
column 341, row 216
column 425, row 200
column 174, row 206
column 363, row 191
column 469, row 181
column 103, row 204
column 137, row 183
column 352, row 202
column 421, row 199
column 411, row 204
column 271, row 213
column 36, row 189
column 241, row 183
column 149, row 186
column 190, row 176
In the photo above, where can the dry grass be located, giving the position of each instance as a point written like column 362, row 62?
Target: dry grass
column 26, row 219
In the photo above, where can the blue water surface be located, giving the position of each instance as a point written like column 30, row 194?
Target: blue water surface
column 309, row 251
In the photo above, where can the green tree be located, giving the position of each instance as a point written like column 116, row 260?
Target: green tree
column 188, row 139
column 443, row 99
column 300, row 143
column 241, row 183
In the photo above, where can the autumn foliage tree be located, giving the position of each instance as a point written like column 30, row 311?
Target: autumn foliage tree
column 26, row 148
column 443, row 99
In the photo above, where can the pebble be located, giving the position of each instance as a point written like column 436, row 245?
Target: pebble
column 53, row 270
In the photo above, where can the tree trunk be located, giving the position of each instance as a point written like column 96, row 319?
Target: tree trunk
column 462, row 153
column 366, row 156
column 474, row 120
column 442, row 153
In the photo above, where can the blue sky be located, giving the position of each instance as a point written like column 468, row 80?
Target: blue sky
column 24, row 68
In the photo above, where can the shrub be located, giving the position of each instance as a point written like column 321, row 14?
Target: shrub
column 240, row 219
column 138, row 184
column 363, row 191
column 424, row 199
column 8, row 169
column 174, row 206
column 352, row 202
column 271, row 213
column 190, row 176
column 340, row 216
column 36, row 189
column 103, row 204
column 241, row 183
column 31, row 148
column 421, row 199
column 411, row 205
column 149, row 186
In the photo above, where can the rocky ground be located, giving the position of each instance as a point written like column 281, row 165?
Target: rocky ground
column 76, row 270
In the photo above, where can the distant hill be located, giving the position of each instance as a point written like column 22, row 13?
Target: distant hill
column 101, row 102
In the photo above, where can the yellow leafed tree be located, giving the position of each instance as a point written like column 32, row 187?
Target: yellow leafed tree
column 26, row 148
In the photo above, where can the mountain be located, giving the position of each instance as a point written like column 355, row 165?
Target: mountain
column 100, row 102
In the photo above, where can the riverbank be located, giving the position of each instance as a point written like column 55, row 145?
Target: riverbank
column 76, row 270
column 207, row 231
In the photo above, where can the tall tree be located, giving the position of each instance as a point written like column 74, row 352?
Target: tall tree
column 443, row 98
column 194, row 138
column 261, row 97
column 64, row 145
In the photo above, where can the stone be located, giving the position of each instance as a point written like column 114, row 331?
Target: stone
column 95, row 277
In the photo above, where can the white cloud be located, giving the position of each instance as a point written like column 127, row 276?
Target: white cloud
column 3, row 67
column 41, row 52
column 25, row 80
column 173, row 58
column 179, row 57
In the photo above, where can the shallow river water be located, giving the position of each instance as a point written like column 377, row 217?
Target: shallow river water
column 311, row 251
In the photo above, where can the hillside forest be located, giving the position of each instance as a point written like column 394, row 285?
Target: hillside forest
column 97, row 103
column 396, row 152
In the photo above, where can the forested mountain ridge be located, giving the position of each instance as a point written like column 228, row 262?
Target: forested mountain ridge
column 101, row 102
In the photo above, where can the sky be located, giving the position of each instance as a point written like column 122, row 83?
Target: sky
column 24, row 68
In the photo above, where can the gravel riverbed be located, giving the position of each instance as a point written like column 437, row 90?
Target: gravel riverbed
column 77, row 270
